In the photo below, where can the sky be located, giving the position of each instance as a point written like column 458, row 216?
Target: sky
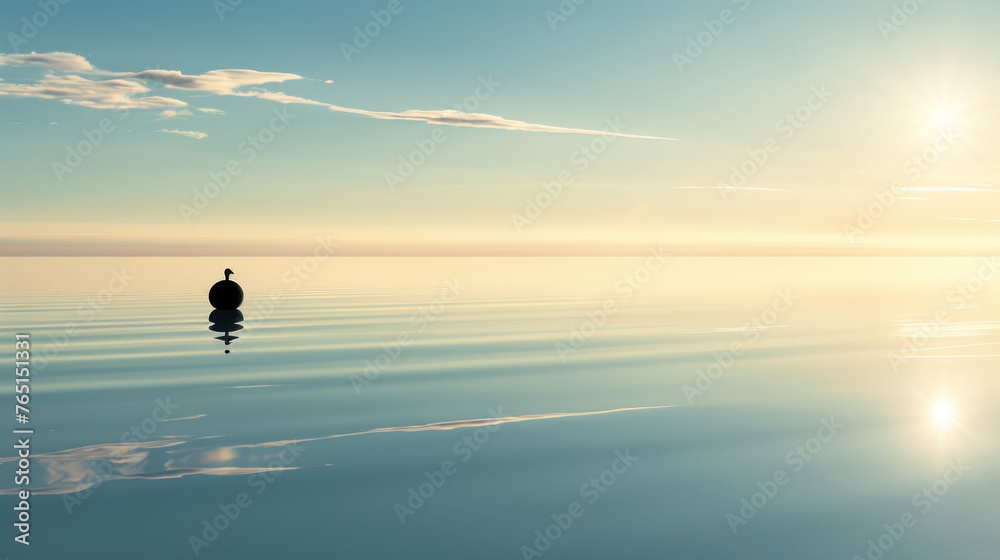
column 729, row 127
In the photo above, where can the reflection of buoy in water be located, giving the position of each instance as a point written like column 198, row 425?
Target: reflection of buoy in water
column 225, row 321
column 226, row 294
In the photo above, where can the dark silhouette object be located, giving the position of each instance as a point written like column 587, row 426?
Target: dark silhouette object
column 225, row 321
column 226, row 294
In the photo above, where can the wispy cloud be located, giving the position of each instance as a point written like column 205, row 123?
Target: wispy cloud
column 958, row 188
column 97, row 94
column 126, row 89
column 189, row 133
column 222, row 82
column 57, row 60
column 727, row 188
column 480, row 120
column 229, row 82
column 171, row 114
column 211, row 111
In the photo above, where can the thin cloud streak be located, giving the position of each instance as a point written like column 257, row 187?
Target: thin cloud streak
column 727, row 188
column 189, row 133
column 97, row 94
column 56, row 60
column 124, row 90
column 966, row 188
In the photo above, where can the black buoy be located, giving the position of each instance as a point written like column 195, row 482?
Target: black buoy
column 226, row 294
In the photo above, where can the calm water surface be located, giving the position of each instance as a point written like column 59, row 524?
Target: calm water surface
column 451, row 408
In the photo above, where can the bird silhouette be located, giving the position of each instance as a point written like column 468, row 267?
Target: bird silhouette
column 226, row 294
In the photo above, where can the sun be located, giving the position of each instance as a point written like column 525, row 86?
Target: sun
column 944, row 414
column 946, row 119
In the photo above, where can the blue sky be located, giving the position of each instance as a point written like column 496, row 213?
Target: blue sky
column 891, row 92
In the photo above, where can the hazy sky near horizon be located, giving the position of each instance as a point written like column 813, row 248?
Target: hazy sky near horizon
column 507, row 97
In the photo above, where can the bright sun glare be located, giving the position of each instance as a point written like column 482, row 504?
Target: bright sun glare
column 946, row 119
column 944, row 413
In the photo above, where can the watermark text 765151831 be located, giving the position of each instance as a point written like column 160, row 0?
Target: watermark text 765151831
column 22, row 436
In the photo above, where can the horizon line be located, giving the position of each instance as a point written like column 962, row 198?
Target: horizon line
column 501, row 251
